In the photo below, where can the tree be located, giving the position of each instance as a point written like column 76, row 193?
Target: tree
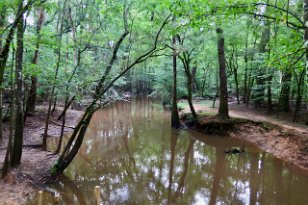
column 175, row 120
column 76, row 139
column 30, row 106
column 19, row 123
column 223, row 110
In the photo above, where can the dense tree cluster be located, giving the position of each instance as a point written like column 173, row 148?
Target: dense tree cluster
column 90, row 52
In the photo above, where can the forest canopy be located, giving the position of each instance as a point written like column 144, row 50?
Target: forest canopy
column 91, row 52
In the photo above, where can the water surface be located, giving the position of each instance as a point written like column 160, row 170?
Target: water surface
column 133, row 154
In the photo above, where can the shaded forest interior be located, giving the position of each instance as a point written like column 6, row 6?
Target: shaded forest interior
column 85, row 54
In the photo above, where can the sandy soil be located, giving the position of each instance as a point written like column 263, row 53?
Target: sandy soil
column 285, row 140
column 21, row 183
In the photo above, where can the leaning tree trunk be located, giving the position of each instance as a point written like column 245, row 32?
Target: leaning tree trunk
column 190, row 90
column 223, row 110
column 19, row 125
column 76, row 138
column 175, row 120
column 190, row 82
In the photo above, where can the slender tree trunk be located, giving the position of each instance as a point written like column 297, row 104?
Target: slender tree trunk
column 284, row 99
column 299, row 95
column 269, row 94
column 260, row 78
column 203, row 82
column 237, row 85
column 19, row 125
column 306, row 40
column 246, row 68
column 193, row 78
column 2, row 21
column 186, row 64
column 236, row 76
column 52, row 95
column 62, row 131
column 30, row 107
column 223, row 110
column 175, row 120
column 8, row 155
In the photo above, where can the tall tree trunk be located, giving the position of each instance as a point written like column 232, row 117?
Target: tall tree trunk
column 223, row 110
column 2, row 21
column 203, row 82
column 269, row 94
column 260, row 78
column 19, row 125
column 30, row 107
column 284, row 102
column 175, row 120
column 186, row 64
column 235, row 71
column 306, row 40
column 193, row 78
column 245, row 96
column 6, row 163
column 299, row 95
column 51, row 97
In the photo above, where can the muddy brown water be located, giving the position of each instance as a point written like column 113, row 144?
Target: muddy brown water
column 133, row 154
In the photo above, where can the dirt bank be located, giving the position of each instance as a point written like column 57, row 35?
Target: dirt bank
column 20, row 184
column 285, row 140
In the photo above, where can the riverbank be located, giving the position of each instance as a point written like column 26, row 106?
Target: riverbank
column 284, row 140
column 20, row 184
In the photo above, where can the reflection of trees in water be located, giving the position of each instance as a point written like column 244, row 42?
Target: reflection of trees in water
column 219, row 171
column 131, row 151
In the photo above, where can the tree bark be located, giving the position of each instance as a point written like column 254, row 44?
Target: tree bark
column 193, row 78
column 284, row 97
column 19, row 125
column 299, row 95
column 2, row 21
column 190, row 82
column 306, row 45
column 223, row 110
column 246, row 68
column 260, row 78
column 6, row 163
column 175, row 120
column 30, row 107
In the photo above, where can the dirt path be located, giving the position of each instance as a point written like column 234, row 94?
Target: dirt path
column 243, row 112
column 18, row 187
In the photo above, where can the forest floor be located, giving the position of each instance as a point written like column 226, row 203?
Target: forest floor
column 20, row 184
column 278, row 136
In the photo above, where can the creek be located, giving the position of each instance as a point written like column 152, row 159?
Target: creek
column 131, row 151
